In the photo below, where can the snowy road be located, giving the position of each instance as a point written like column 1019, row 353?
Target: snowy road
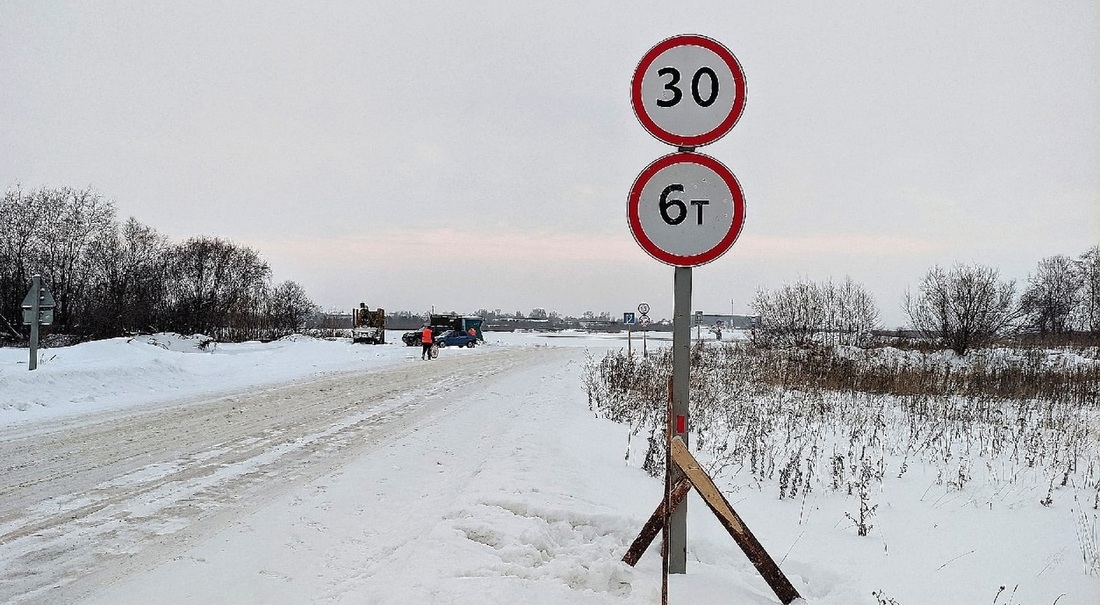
column 366, row 476
column 93, row 499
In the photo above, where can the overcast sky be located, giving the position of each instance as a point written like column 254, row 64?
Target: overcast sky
column 467, row 155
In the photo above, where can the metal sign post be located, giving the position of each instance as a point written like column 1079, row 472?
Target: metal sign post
column 628, row 320
column 685, row 209
column 681, row 358
column 37, row 310
column 36, row 287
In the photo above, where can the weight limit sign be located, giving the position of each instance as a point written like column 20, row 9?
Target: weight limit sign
column 686, row 209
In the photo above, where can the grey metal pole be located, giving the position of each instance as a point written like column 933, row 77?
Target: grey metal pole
column 36, row 291
column 681, row 361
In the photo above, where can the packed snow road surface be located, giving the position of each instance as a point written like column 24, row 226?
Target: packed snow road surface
column 151, row 470
column 93, row 498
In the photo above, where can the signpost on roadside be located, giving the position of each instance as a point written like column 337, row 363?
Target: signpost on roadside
column 687, row 209
column 628, row 321
column 38, row 308
column 643, row 320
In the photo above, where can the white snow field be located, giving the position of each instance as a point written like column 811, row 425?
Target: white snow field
column 307, row 471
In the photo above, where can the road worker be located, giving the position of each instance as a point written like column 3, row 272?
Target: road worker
column 426, row 343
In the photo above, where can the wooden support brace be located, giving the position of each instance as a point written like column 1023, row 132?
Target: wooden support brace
column 655, row 524
column 733, row 523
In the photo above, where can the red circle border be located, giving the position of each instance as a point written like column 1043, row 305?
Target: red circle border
column 635, row 222
column 707, row 137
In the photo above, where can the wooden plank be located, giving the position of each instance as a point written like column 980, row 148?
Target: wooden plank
column 733, row 523
column 655, row 524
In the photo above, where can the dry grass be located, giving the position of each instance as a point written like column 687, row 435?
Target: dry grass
column 842, row 419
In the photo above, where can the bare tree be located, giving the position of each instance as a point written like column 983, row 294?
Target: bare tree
column 110, row 280
column 1052, row 295
column 962, row 307
column 18, row 225
column 213, row 284
column 51, row 232
column 128, row 296
column 1088, row 309
column 71, row 223
column 807, row 311
column 288, row 306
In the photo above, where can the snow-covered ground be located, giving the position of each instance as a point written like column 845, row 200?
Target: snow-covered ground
column 309, row 471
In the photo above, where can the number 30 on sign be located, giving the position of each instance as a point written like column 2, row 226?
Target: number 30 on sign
column 686, row 209
column 688, row 91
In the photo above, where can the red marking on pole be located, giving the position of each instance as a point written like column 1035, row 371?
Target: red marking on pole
column 680, row 422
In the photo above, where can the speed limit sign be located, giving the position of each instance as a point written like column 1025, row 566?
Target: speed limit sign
column 688, row 91
column 686, row 209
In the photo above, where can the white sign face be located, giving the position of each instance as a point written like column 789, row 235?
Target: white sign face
column 686, row 209
column 643, row 308
column 688, row 91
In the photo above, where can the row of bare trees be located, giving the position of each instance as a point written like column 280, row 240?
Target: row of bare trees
column 971, row 305
column 958, row 307
column 961, row 307
column 1063, row 295
column 111, row 279
column 824, row 312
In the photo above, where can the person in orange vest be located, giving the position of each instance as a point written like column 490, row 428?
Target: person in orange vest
column 472, row 332
column 426, row 343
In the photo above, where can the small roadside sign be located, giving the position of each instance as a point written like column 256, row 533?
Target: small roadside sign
column 643, row 308
column 38, row 308
column 628, row 319
column 685, row 209
column 45, row 316
column 45, row 299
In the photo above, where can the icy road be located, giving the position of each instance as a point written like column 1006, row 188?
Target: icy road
column 92, row 505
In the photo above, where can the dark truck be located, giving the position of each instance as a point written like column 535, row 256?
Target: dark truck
column 444, row 325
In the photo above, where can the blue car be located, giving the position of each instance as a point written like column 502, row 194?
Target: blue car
column 456, row 338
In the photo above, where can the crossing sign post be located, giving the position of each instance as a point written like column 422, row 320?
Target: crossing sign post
column 628, row 321
column 38, row 308
column 686, row 209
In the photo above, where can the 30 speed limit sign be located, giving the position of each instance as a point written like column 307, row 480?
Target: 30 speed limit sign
column 688, row 91
column 686, row 209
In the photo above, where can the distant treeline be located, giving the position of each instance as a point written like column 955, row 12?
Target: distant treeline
column 958, row 307
column 112, row 279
